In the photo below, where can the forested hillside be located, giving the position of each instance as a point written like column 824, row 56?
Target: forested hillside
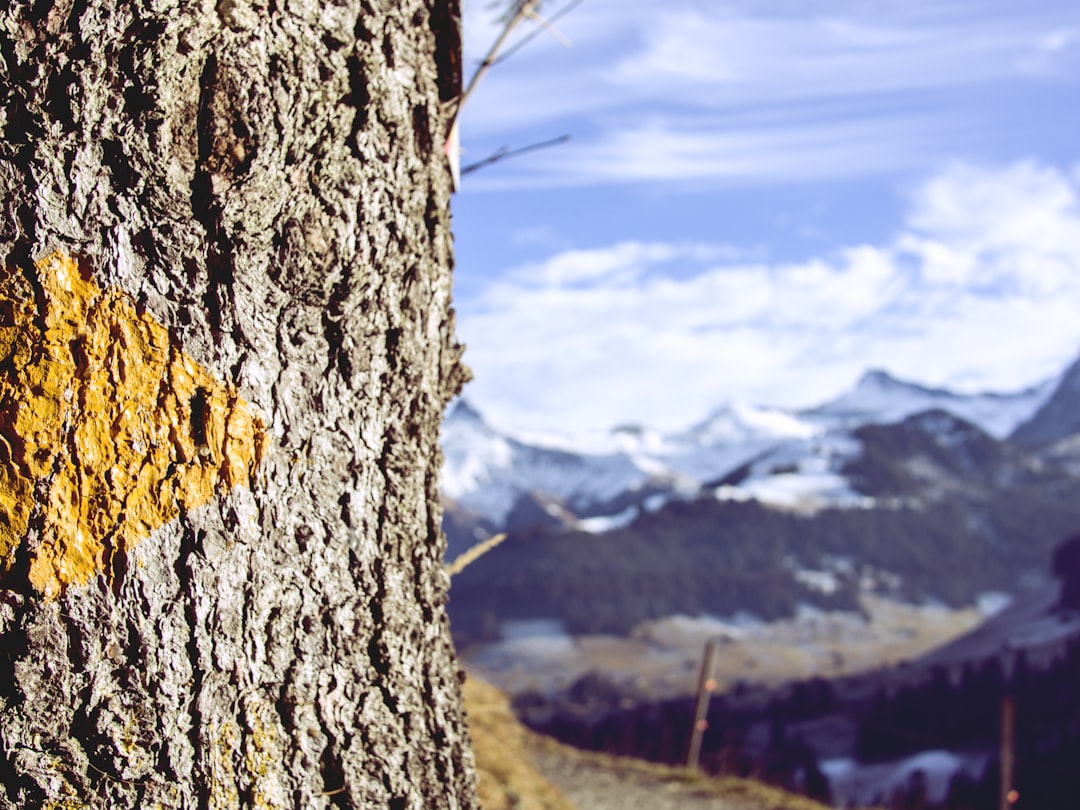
column 951, row 512
column 717, row 557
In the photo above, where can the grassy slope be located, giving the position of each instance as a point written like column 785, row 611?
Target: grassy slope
column 508, row 779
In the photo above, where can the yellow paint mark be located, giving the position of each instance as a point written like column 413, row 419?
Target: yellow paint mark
column 107, row 430
column 262, row 756
column 223, row 794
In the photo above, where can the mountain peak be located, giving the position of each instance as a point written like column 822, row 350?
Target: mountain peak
column 1058, row 417
column 881, row 398
column 878, row 379
column 463, row 411
column 877, row 376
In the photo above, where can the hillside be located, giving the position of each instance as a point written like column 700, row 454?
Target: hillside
column 507, row 778
column 722, row 557
column 520, row 770
column 1058, row 417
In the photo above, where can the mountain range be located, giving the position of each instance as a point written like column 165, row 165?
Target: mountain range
column 893, row 485
column 787, row 458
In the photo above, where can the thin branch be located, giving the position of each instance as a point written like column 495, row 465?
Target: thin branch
column 556, row 34
column 504, row 152
column 525, row 9
column 474, row 553
column 525, row 40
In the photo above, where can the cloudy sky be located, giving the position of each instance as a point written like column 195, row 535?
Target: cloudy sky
column 761, row 199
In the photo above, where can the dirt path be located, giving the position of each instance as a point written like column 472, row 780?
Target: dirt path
column 591, row 786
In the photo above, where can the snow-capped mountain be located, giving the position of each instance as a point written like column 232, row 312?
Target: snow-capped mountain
column 882, row 399
column 488, row 472
column 787, row 458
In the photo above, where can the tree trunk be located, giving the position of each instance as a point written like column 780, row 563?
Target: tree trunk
column 225, row 349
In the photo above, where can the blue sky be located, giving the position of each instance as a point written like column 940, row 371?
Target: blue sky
column 763, row 198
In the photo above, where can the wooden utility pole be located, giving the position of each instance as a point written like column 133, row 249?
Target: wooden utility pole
column 706, row 686
column 1008, row 742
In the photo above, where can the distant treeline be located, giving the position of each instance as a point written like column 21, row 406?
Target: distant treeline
column 942, row 714
column 966, row 714
column 594, row 715
column 720, row 557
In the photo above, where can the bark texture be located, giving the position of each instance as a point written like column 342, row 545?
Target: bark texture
column 264, row 179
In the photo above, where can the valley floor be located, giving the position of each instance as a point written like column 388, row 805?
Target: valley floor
column 663, row 658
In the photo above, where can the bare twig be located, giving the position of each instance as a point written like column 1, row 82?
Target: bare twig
column 524, row 10
column 474, row 553
column 556, row 34
column 506, row 152
column 525, row 40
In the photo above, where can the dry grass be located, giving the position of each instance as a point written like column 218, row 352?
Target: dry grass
column 507, row 753
column 507, row 779
column 729, row 791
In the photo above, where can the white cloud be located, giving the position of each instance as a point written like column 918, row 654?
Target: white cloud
column 751, row 53
column 1014, row 231
column 625, row 260
column 687, row 89
column 981, row 288
column 656, row 150
column 1053, row 53
column 1025, row 204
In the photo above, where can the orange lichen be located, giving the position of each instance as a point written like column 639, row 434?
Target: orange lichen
column 107, row 430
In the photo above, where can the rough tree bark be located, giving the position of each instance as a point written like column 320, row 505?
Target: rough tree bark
column 226, row 345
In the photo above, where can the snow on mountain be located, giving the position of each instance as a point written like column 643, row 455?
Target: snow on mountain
column 488, row 472
column 740, row 422
column 791, row 459
column 732, row 436
column 880, row 398
column 800, row 476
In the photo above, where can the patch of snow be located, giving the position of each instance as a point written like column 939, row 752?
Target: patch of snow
column 636, row 440
column 809, row 614
column 839, row 563
column 804, row 491
column 853, row 783
column 679, row 631
column 654, row 502
column 730, row 493
column 825, row 582
column 518, row 629
column 738, row 421
column 937, row 768
column 605, row 523
column 487, row 472
column 523, row 654
column 991, row 603
column 486, row 455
